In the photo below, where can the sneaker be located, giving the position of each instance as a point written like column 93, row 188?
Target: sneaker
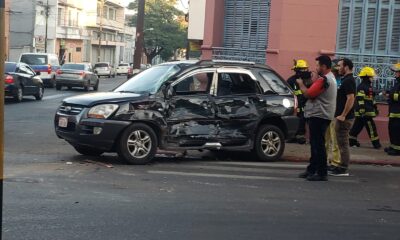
column 317, row 178
column 330, row 168
column 338, row 172
column 305, row 174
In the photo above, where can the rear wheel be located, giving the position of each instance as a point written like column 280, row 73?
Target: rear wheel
column 269, row 143
column 39, row 94
column 138, row 144
column 58, row 87
column 96, row 87
column 19, row 95
column 53, row 82
column 87, row 151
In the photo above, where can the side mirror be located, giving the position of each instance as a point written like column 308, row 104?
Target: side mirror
column 171, row 92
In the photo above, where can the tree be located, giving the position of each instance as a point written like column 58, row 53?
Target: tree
column 168, row 34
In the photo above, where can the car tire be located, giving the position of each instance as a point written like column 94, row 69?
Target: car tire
column 39, row 96
column 86, row 88
column 20, row 95
column 87, row 151
column 58, row 87
column 53, row 83
column 269, row 143
column 96, row 87
column 109, row 76
column 69, row 88
column 137, row 144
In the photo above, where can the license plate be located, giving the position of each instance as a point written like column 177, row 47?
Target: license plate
column 63, row 122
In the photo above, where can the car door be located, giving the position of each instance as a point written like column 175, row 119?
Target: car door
column 191, row 114
column 237, row 104
column 25, row 76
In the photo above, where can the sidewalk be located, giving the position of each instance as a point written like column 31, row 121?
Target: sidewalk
column 363, row 155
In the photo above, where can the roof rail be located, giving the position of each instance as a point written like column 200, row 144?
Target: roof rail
column 203, row 62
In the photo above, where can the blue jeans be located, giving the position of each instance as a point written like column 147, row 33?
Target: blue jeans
column 318, row 160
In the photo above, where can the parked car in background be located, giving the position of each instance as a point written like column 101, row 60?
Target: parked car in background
column 104, row 69
column 21, row 80
column 45, row 64
column 132, row 72
column 123, row 68
column 77, row 75
column 218, row 106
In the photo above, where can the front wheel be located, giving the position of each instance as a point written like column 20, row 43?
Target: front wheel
column 87, row 151
column 58, row 87
column 39, row 95
column 138, row 144
column 269, row 143
column 20, row 95
column 96, row 87
column 53, row 83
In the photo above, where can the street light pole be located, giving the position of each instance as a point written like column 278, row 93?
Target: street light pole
column 2, row 60
column 47, row 13
column 137, row 59
column 100, row 29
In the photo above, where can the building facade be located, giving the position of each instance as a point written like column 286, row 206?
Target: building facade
column 277, row 31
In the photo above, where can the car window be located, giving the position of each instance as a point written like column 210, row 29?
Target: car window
column 236, row 83
column 198, row 83
column 273, row 83
column 34, row 59
column 10, row 67
column 54, row 61
column 73, row 67
column 99, row 65
column 123, row 65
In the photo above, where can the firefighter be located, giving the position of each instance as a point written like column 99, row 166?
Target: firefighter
column 301, row 71
column 394, row 114
column 365, row 109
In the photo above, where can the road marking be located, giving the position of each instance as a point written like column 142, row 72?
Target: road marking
column 235, row 169
column 254, row 164
column 231, row 176
column 57, row 96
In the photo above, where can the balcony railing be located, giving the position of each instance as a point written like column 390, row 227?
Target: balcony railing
column 248, row 55
column 381, row 63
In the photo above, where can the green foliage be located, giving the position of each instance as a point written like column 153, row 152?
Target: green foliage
column 169, row 32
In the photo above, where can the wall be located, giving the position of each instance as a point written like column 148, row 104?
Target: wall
column 301, row 30
column 197, row 14
column 7, row 27
column 213, row 27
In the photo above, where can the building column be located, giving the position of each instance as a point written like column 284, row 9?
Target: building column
column 214, row 27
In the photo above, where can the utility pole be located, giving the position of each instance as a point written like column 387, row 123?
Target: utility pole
column 2, row 60
column 47, row 14
column 100, row 29
column 139, row 35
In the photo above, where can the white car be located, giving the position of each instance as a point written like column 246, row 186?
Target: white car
column 123, row 68
column 104, row 69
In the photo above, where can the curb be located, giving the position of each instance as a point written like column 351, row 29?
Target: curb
column 359, row 162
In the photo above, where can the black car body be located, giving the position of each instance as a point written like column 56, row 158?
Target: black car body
column 207, row 105
column 77, row 75
column 21, row 80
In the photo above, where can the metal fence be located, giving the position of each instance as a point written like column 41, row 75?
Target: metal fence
column 381, row 63
column 248, row 55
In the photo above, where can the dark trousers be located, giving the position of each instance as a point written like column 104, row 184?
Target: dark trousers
column 301, row 130
column 318, row 160
column 394, row 133
column 369, row 124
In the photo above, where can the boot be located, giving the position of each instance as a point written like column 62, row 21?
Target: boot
column 301, row 140
column 354, row 143
column 377, row 144
column 393, row 152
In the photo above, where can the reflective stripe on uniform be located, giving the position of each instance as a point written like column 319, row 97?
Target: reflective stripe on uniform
column 368, row 98
column 396, row 97
column 298, row 92
column 395, row 147
column 394, row 115
column 370, row 114
column 361, row 102
column 371, row 131
column 360, row 94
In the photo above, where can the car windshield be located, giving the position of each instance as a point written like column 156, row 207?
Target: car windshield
column 99, row 65
column 10, row 67
column 34, row 59
column 73, row 67
column 149, row 81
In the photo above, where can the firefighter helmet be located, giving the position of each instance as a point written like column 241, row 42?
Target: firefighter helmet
column 300, row 64
column 395, row 67
column 367, row 72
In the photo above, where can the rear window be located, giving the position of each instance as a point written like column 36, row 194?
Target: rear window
column 123, row 65
column 97, row 65
column 73, row 66
column 34, row 59
column 10, row 67
column 273, row 83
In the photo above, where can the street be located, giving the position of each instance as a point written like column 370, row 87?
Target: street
column 51, row 192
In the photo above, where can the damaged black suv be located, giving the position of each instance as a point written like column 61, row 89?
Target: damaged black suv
column 213, row 105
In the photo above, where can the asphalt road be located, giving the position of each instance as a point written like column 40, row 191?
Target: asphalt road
column 53, row 193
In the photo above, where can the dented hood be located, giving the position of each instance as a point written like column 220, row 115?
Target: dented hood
column 92, row 99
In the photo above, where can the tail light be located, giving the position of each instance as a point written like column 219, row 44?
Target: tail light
column 49, row 69
column 59, row 72
column 9, row 79
column 296, row 105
